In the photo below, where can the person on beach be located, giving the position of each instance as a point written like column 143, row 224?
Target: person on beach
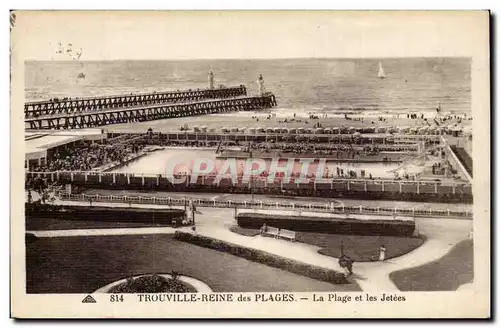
column 382, row 253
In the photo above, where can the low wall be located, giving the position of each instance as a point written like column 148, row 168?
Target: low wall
column 377, row 189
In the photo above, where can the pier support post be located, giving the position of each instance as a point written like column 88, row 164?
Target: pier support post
column 383, row 189
column 418, row 187
column 348, row 185
column 71, row 175
column 142, row 179
column 85, row 175
column 100, row 177
column 435, row 188
column 128, row 178
column 400, row 187
column 114, row 178
column 453, row 189
column 366, row 187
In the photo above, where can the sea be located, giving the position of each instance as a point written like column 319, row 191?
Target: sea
column 303, row 86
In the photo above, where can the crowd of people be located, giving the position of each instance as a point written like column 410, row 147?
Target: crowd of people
column 88, row 156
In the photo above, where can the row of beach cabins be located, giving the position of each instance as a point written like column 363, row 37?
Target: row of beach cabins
column 423, row 130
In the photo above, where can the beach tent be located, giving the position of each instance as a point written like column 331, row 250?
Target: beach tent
column 285, row 130
column 224, row 129
column 320, row 130
column 300, row 130
column 359, row 129
column 269, row 130
column 260, row 129
column 380, row 129
column 368, row 130
column 404, row 129
column 328, row 130
column 357, row 134
column 251, row 130
column 352, row 129
column 335, row 130
column 343, row 130
column 391, row 130
column 413, row 130
column 196, row 129
column 310, row 130
column 292, row 130
column 204, row 128
column 277, row 130
column 243, row 129
column 234, row 129
column 211, row 130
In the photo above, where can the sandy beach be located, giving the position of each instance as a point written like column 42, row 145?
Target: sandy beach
column 245, row 120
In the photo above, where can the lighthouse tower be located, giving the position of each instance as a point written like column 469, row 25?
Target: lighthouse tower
column 262, row 89
column 211, row 80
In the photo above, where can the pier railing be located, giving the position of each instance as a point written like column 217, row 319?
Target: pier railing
column 311, row 207
column 75, row 105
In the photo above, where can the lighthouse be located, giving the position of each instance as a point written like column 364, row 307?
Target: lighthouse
column 262, row 89
column 211, row 80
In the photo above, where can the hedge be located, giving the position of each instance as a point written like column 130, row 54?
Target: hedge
column 101, row 213
column 328, row 225
column 265, row 258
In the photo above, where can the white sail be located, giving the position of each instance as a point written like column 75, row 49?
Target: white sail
column 381, row 73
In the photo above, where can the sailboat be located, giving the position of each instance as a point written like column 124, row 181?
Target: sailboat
column 381, row 73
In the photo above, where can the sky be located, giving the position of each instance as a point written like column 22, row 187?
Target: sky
column 162, row 35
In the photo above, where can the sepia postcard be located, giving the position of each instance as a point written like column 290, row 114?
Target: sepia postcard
column 250, row 164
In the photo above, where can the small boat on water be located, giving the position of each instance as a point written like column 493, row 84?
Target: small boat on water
column 381, row 72
column 81, row 76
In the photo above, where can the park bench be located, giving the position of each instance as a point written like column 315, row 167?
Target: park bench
column 278, row 233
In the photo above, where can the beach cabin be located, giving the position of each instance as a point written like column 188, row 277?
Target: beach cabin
column 196, row 129
column 204, row 128
column 234, row 129
column 260, row 129
column 328, row 131
column 292, row 130
column 335, row 131
column 243, row 129
column 224, row 129
column 310, row 130
column 391, row 130
column 413, row 130
column 380, row 129
column 251, row 130
column 320, row 131
column 269, row 130
column 352, row 130
column 277, row 130
column 301, row 130
column 211, row 130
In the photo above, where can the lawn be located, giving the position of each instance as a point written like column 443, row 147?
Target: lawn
column 446, row 274
column 359, row 248
column 84, row 264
